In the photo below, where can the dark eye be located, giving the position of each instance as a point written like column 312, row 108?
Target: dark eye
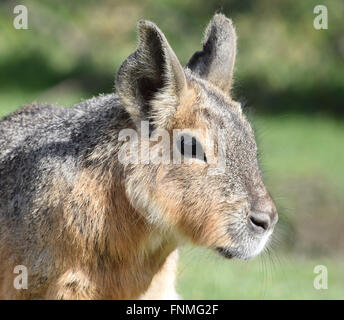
column 190, row 147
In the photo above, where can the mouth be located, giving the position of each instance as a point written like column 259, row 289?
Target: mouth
column 227, row 253
column 250, row 247
column 249, row 238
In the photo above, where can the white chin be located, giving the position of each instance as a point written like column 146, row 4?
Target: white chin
column 256, row 246
column 246, row 248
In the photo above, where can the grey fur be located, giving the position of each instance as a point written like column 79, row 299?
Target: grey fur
column 41, row 144
column 216, row 61
column 153, row 67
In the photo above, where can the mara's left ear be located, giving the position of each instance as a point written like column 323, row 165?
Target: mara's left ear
column 151, row 80
column 215, row 63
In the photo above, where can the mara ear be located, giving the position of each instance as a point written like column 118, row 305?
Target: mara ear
column 150, row 75
column 215, row 63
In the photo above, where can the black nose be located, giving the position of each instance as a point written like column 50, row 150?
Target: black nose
column 259, row 221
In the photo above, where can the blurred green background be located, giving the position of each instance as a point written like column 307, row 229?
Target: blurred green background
column 290, row 79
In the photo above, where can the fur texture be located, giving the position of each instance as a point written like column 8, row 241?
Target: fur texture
column 89, row 227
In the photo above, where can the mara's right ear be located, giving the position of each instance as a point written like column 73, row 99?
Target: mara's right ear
column 152, row 70
column 215, row 63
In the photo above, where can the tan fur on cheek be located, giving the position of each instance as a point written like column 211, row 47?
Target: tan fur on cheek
column 203, row 222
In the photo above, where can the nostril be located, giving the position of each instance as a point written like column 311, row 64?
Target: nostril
column 259, row 222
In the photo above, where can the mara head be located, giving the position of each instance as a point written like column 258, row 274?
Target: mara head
column 197, row 174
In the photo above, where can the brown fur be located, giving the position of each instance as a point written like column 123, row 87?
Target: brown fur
column 94, row 273
column 90, row 227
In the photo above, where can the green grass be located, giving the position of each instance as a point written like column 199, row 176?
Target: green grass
column 204, row 275
column 294, row 146
column 302, row 155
